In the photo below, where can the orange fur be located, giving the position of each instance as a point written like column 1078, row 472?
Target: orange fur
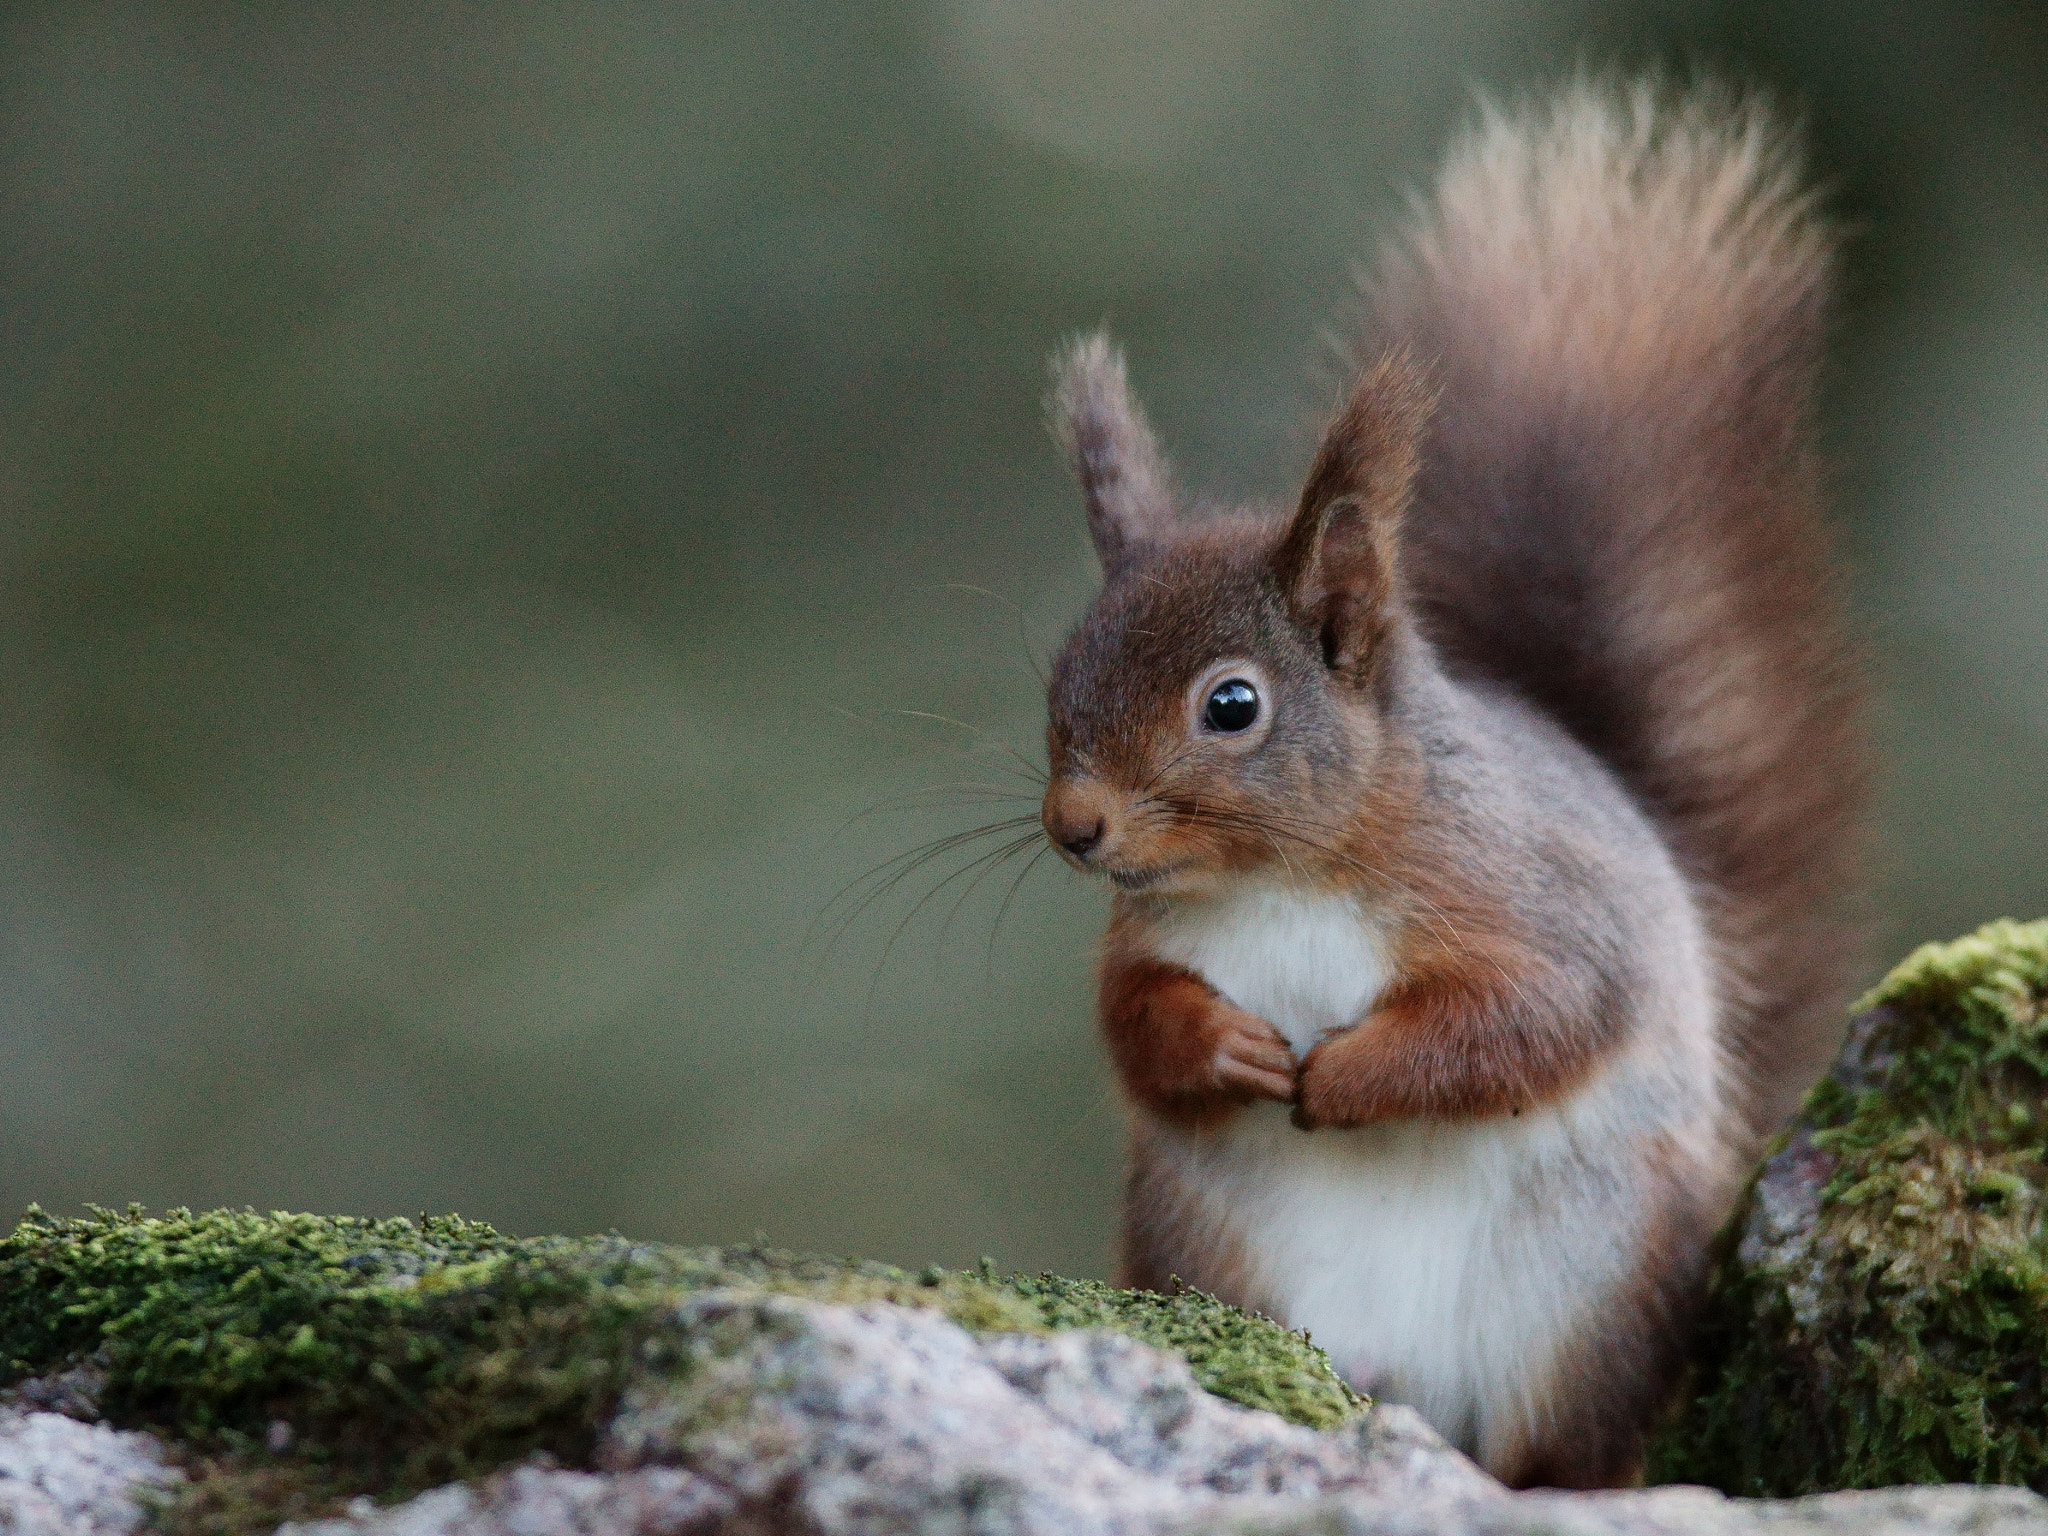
column 1182, row 1051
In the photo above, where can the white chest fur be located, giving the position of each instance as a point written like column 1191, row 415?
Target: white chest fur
column 1308, row 963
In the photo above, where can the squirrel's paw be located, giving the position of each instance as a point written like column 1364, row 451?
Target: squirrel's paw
column 1322, row 1097
column 1252, row 1057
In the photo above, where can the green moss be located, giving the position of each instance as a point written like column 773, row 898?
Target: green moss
column 1246, row 1359
column 1880, row 1313
column 402, row 1354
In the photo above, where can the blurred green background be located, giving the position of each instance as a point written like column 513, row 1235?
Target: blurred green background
column 488, row 495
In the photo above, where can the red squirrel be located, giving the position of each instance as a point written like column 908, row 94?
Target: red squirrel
column 1485, row 828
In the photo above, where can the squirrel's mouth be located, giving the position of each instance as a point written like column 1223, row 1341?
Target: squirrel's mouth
column 1143, row 879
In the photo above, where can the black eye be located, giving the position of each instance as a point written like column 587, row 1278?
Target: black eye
column 1233, row 706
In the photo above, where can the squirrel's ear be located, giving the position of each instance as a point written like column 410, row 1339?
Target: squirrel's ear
column 1123, row 478
column 1338, row 562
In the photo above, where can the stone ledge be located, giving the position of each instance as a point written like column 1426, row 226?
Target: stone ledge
column 871, row 1419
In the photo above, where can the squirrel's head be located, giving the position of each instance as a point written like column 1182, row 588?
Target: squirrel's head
column 1222, row 708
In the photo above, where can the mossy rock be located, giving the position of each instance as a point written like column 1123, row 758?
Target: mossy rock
column 1880, row 1314
column 297, row 1361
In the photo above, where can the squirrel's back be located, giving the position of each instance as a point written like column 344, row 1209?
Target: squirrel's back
column 1622, row 293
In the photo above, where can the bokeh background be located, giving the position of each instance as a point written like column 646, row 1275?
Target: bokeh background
column 496, row 501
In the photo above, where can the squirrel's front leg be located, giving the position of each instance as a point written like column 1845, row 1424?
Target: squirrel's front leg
column 1183, row 1050
column 1459, row 1043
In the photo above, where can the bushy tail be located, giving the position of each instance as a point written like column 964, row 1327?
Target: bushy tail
column 1622, row 290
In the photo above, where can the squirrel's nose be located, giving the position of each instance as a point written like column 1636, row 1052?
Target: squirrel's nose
column 1078, row 841
column 1074, row 820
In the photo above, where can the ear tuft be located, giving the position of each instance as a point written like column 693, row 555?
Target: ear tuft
column 1123, row 477
column 1338, row 562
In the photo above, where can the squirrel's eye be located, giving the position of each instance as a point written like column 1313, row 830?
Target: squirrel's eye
column 1233, row 706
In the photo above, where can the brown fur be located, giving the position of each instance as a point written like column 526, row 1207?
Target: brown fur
column 1338, row 561
column 1620, row 517
column 1458, row 1038
column 1555, row 611
column 1188, row 1055
column 1164, row 1242
column 1614, row 1380
column 1124, row 480
column 1489, row 1014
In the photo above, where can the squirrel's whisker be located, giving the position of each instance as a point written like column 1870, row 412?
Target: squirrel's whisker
column 1031, row 769
column 995, row 856
column 989, row 866
column 1023, row 623
column 889, row 874
column 1009, row 896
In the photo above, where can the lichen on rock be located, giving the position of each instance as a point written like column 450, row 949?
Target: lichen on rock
column 301, row 1360
column 1880, row 1315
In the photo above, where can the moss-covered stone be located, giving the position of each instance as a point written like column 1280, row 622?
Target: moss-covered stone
column 1249, row 1360
column 1880, row 1315
column 300, row 1360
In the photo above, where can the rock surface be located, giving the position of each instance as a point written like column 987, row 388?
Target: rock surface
column 818, row 1419
column 59, row 1477
column 300, row 1361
